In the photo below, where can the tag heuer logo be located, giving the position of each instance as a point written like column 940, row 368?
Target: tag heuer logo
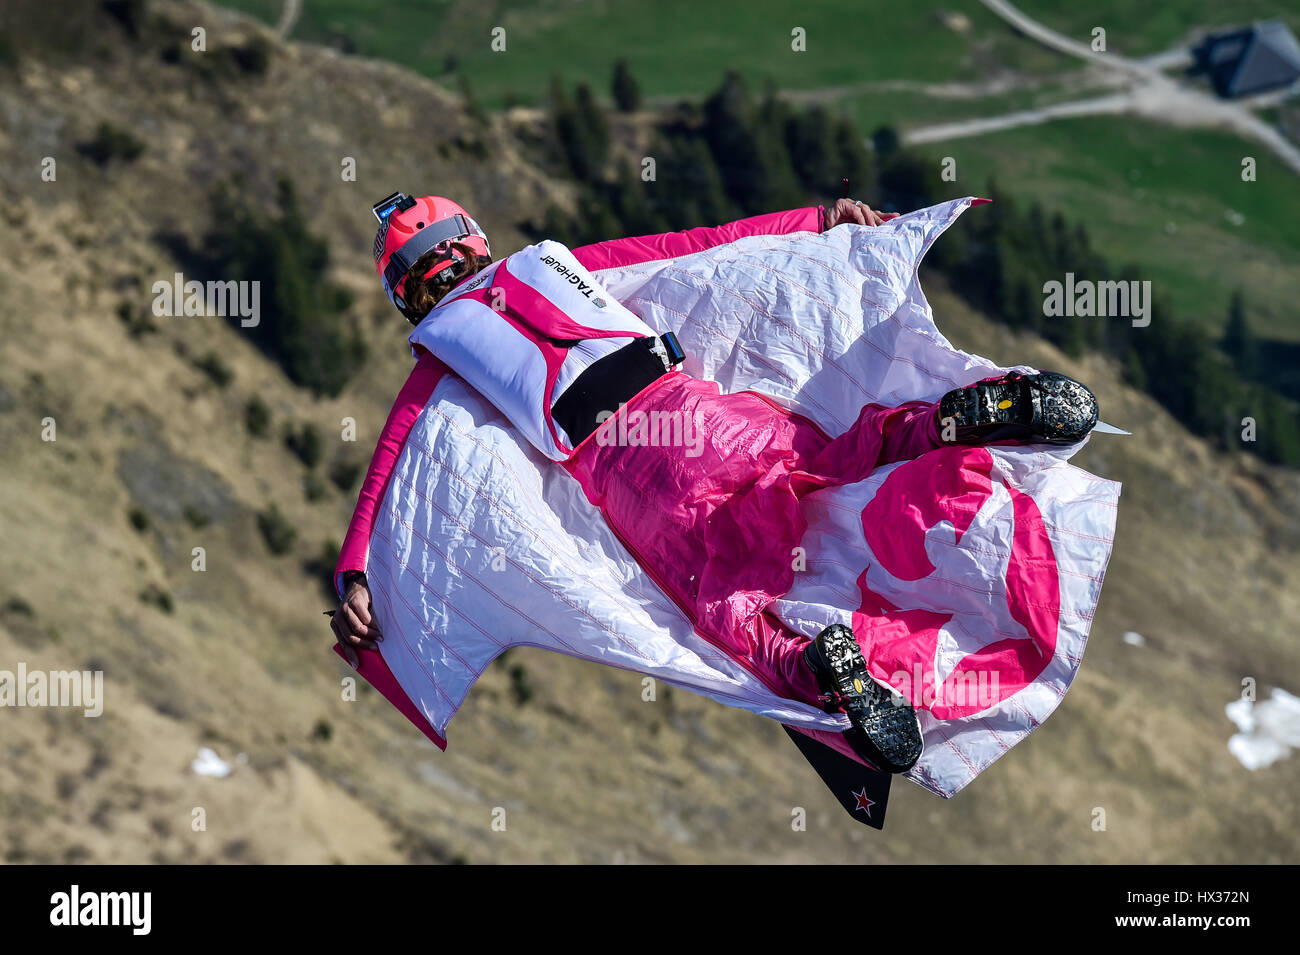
column 598, row 302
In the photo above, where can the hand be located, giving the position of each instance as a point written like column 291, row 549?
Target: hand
column 354, row 624
column 849, row 210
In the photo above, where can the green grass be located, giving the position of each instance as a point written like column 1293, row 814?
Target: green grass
column 674, row 47
column 1129, row 180
column 910, row 109
column 1139, row 27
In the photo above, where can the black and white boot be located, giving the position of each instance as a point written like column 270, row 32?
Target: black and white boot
column 884, row 731
column 1046, row 408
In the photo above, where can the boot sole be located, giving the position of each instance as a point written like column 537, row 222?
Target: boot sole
column 1046, row 408
column 887, row 734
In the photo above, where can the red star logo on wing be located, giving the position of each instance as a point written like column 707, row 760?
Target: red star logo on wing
column 864, row 803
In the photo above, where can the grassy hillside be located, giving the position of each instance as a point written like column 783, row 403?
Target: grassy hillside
column 1135, row 28
column 154, row 456
column 675, row 47
column 1170, row 200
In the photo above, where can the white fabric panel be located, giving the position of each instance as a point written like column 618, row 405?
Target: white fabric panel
column 969, row 582
column 481, row 543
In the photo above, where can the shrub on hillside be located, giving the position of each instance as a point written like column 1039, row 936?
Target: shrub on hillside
column 212, row 365
column 8, row 51
column 157, row 597
column 321, row 566
column 276, row 530
column 314, row 487
column 304, row 441
column 138, row 321
column 344, row 474
column 252, row 56
column 111, row 143
column 130, row 13
column 138, row 518
column 520, row 686
column 257, row 417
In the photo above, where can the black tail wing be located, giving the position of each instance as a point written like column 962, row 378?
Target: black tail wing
column 863, row 792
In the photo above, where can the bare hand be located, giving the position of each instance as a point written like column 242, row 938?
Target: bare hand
column 850, row 210
column 354, row 623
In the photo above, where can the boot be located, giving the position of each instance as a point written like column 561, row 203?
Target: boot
column 1046, row 408
column 884, row 732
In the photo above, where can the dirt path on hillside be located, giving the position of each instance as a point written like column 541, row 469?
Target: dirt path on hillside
column 289, row 14
column 1150, row 94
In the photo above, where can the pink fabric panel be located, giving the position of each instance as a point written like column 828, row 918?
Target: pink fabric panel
column 952, row 487
column 376, row 673
column 534, row 314
column 717, row 529
column 650, row 248
column 410, row 402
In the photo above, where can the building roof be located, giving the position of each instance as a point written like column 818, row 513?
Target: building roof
column 1262, row 56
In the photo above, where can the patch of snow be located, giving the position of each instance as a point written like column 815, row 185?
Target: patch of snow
column 1269, row 730
column 208, row 763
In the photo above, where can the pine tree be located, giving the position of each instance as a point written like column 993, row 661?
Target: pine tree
column 995, row 216
column 473, row 108
column 634, row 208
column 689, row 189
column 885, row 141
column 749, row 148
column 580, row 131
column 853, row 161
column 591, row 120
column 808, row 140
column 564, row 122
column 906, row 183
column 558, row 226
column 1238, row 339
column 1063, row 253
column 1023, row 308
column 728, row 128
column 304, row 324
column 597, row 222
column 1036, row 231
column 627, row 94
column 1134, row 373
column 780, row 187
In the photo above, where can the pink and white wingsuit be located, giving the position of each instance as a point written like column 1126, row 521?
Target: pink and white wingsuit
column 720, row 525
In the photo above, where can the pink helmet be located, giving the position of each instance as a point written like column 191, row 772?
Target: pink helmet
column 408, row 228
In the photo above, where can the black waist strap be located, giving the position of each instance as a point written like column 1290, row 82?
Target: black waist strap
column 610, row 381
